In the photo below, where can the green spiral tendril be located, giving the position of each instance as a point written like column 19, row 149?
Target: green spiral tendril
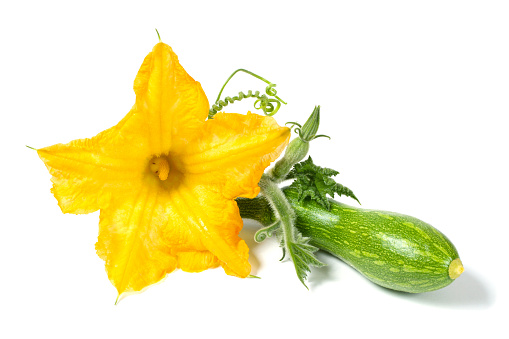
column 298, row 130
column 293, row 124
column 265, row 102
column 265, row 232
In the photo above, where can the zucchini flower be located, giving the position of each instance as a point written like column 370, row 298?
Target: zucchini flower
column 165, row 179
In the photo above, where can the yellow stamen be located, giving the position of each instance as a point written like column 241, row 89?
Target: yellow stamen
column 161, row 167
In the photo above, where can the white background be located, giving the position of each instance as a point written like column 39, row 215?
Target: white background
column 413, row 93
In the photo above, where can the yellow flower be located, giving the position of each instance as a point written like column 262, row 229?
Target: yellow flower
column 165, row 178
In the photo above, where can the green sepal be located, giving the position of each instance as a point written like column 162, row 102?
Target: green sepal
column 308, row 131
column 315, row 182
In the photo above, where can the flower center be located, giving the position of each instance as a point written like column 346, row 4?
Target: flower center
column 160, row 167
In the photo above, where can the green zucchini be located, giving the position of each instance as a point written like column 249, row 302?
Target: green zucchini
column 393, row 250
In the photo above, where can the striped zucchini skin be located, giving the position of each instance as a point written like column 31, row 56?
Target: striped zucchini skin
column 393, row 250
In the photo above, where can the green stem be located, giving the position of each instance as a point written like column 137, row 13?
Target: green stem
column 295, row 152
column 256, row 209
column 281, row 208
column 298, row 148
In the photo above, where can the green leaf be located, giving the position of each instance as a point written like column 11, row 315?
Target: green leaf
column 303, row 257
column 315, row 182
column 292, row 242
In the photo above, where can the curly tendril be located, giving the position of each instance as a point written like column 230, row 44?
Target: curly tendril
column 293, row 124
column 265, row 232
column 265, row 102
column 298, row 130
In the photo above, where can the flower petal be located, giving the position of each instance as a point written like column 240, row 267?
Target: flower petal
column 204, row 220
column 196, row 261
column 173, row 104
column 232, row 152
column 169, row 105
column 130, row 243
column 87, row 172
